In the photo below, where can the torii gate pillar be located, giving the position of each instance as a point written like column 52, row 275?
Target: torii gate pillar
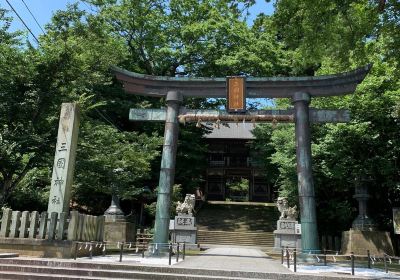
column 167, row 171
column 308, row 217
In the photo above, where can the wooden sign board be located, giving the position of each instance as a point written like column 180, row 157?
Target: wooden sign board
column 236, row 94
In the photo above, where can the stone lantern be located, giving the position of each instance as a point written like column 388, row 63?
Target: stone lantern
column 114, row 212
column 362, row 222
column 363, row 234
column 117, row 228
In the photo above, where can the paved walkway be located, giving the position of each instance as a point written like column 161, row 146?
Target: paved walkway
column 242, row 259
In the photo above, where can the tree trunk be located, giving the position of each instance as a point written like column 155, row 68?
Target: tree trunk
column 7, row 183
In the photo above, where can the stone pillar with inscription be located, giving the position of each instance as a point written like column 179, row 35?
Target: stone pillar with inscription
column 64, row 159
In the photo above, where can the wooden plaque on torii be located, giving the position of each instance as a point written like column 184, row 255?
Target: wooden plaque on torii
column 236, row 94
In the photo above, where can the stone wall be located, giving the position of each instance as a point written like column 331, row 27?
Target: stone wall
column 377, row 242
column 43, row 235
column 44, row 248
column 31, row 225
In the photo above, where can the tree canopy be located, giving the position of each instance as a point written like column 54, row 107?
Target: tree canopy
column 210, row 38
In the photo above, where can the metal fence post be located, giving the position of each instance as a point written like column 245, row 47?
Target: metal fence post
column 184, row 251
column 177, row 252
column 287, row 257
column 120, row 253
column 76, row 250
column 369, row 259
column 352, row 262
column 282, row 256
column 91, row 251
column 170, row 253
column 385, row 260
column 295, row 260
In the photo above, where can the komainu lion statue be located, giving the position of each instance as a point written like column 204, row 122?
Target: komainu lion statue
column 187, row 206
column 287, row 213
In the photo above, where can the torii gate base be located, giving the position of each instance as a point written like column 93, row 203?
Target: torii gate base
column 300, row 89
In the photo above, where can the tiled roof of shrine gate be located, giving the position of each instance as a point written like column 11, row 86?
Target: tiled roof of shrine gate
column 268, row 87
column 230, row 130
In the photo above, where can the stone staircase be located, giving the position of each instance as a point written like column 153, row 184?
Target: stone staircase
column 46, row 269
column 258, row 239
column 237, row 223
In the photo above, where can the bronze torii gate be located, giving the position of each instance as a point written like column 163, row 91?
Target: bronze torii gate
column 299, row 89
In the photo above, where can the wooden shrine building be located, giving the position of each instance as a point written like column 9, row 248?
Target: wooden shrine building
column 230, row 160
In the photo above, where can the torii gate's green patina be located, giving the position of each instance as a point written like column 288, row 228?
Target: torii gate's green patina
column 299, row 89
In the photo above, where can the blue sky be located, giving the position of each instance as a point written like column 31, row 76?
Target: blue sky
column 43, row 10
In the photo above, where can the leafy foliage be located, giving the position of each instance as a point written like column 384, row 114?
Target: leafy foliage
column 102, row 149
column 200, row 38
column 335, row 36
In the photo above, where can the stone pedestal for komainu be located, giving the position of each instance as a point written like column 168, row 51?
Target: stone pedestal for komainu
column 183, row 227
column 288, row 232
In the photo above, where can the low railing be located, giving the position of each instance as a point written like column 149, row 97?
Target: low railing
column 289, row 257
column 174, row 250
column 31, row 225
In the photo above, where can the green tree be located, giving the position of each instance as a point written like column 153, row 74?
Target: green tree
column 102, row 149
column 336, row 36
column 71, row 64
column 174, row 37
column 26, row 102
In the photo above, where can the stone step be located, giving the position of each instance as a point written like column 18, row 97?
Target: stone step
column 7, row 275
column 249, row 233
column 206, row 243
column 241, row 217
column 229, row 234
column 210, row 236
column 238, row 240
column 251, row 244
column 71, row 267
column 234, row 240
column 264, row 239
column 238, row 227
column 70, row 271
column 44, row 273
column 9, row 255
column 44, row 269
column 222, row 242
